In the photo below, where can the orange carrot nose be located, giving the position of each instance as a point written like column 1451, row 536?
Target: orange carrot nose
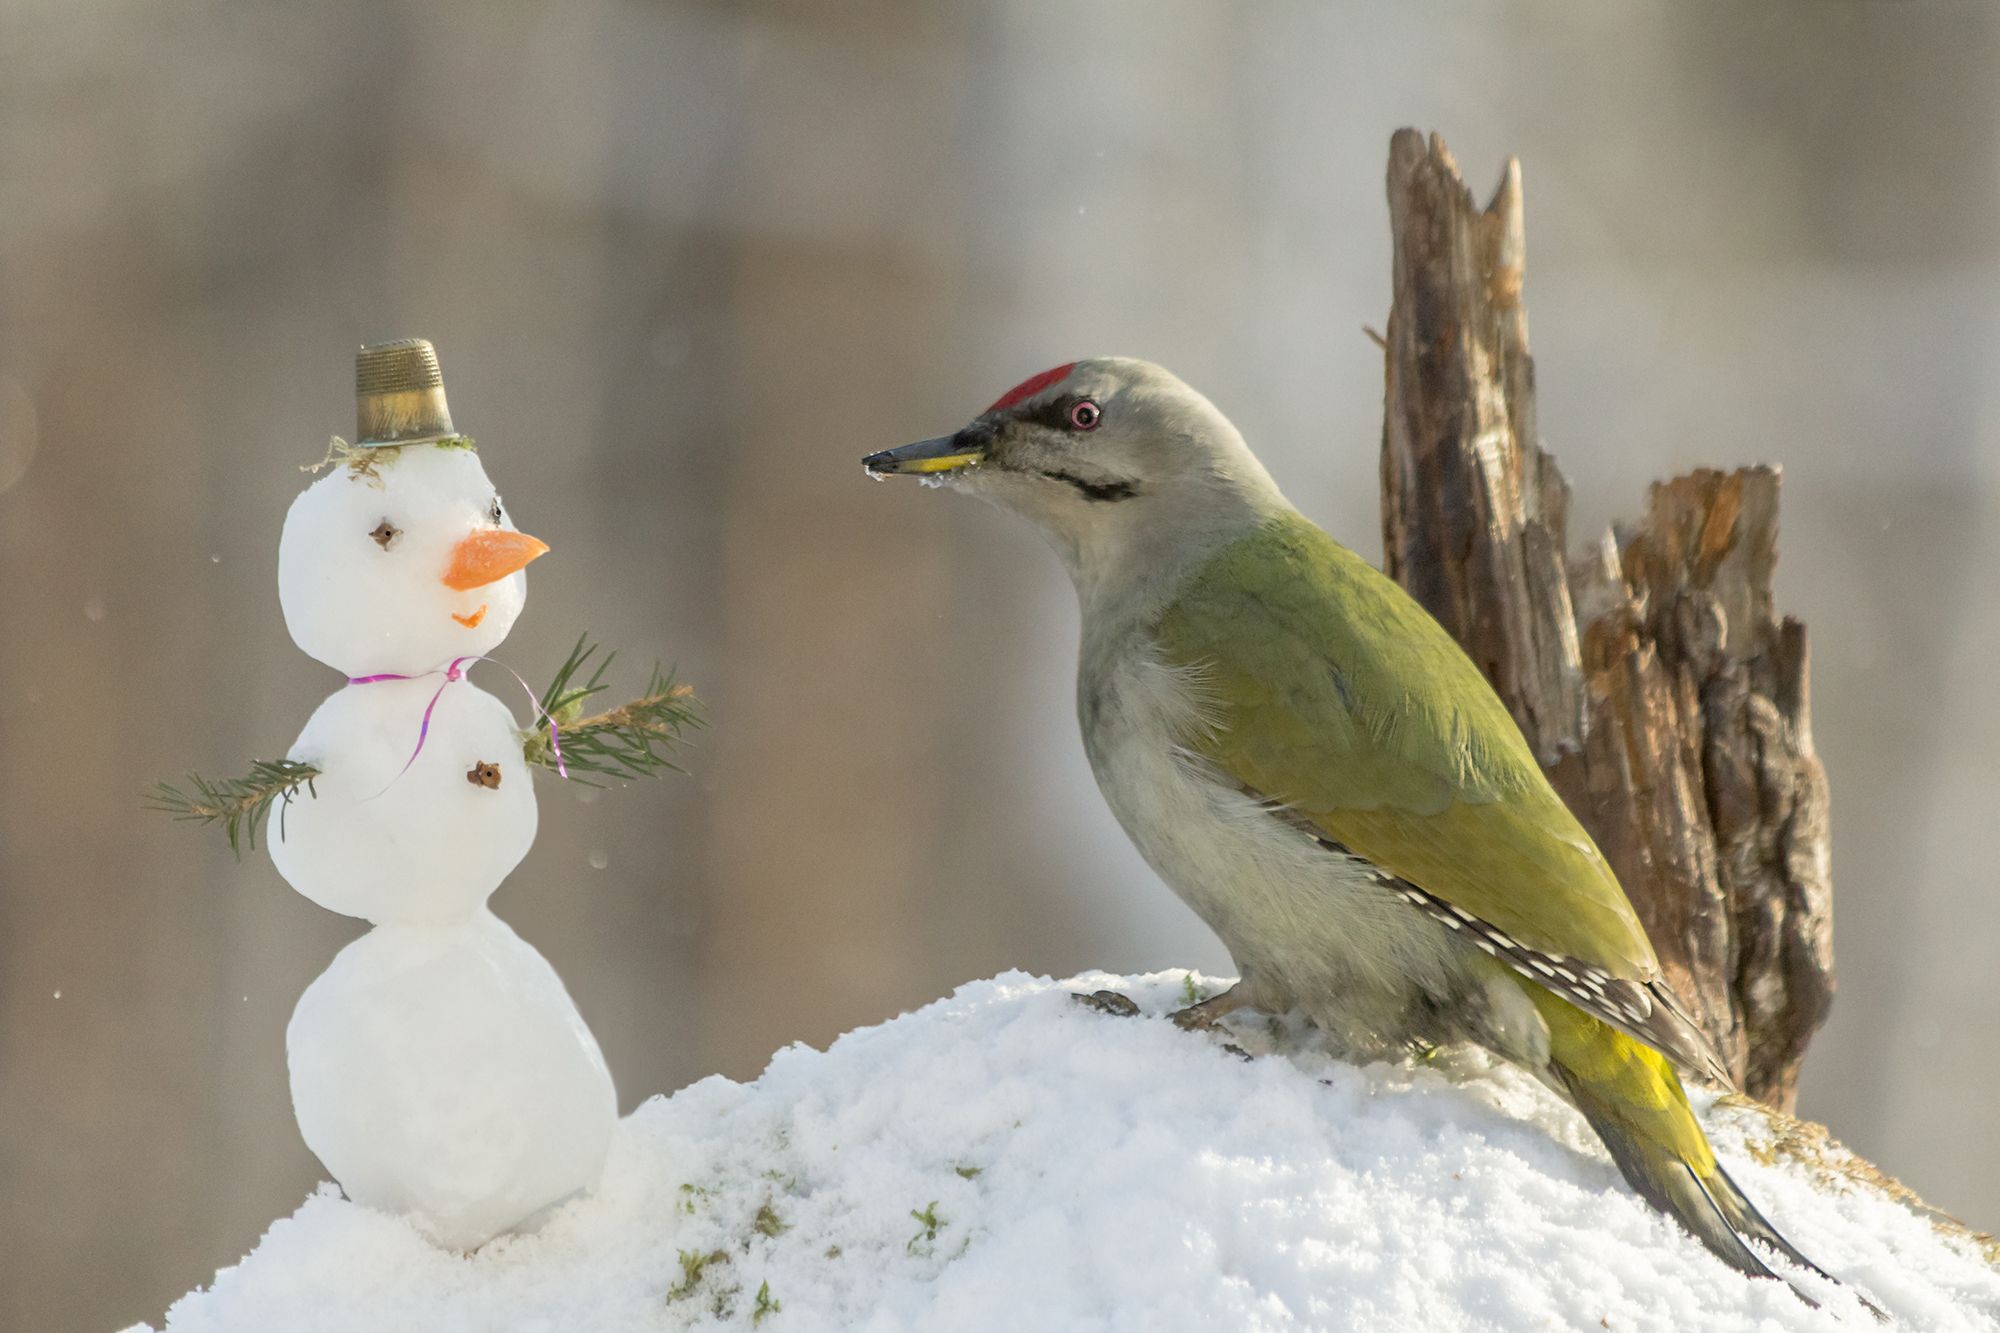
column 488, row 555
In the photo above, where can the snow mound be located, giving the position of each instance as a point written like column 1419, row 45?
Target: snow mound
column 1007, row 1159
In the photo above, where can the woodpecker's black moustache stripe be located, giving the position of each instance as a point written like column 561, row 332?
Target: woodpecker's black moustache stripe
column 1103, row 491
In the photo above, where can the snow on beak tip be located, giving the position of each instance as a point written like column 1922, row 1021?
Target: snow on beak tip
column 489, row 555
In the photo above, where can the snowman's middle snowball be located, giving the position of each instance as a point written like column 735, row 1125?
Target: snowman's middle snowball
column 428, row 844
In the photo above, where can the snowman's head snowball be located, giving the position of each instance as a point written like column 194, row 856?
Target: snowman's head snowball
column 403, row 563
column 389, row 838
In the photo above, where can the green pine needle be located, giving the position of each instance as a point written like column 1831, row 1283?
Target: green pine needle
column 240, row 805
column 629, row 741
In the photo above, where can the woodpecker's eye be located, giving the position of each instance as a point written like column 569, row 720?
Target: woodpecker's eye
column 493, row 511
column 385, row 534
column 1084, row 414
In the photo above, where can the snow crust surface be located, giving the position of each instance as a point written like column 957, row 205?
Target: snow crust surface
column 1006, row 1159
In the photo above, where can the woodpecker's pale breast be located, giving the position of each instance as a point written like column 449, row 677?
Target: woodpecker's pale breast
column 1308, row 928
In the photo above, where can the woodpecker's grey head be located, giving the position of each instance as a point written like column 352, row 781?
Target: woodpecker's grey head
column 1114, row 459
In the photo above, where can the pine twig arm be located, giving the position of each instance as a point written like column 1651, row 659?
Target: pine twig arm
column 563, row 693
column 633, row 740
column 240, row 805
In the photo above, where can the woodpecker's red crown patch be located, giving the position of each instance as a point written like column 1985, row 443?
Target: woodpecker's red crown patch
column 1030, row 386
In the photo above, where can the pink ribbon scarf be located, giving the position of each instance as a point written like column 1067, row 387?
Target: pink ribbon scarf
column 456, row 671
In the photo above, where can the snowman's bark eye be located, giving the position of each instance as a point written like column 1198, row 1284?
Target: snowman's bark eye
column 484, row 774
column 385, row 534
column 493, row 511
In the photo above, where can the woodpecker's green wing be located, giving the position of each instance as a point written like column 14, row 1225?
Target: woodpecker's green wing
column 1332, row 693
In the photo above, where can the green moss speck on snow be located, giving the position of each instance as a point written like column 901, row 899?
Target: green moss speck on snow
column 928, row 1225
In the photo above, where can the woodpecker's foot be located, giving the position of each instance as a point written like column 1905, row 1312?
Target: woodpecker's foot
column 1207, row 1016
column 1203, row 1017
column 1108, row 1002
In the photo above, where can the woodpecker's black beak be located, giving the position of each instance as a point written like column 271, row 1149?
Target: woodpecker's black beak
column 947, row 453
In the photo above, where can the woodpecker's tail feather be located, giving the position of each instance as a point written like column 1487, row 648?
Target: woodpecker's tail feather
column 1743, row 1216
column 1633, row 1099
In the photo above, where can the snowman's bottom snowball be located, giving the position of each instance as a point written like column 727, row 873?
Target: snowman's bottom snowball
column 443, row 1072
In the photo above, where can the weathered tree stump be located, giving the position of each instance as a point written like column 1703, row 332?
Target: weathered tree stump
column 1665, row 698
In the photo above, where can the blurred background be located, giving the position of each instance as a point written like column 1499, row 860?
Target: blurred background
column 684, row 263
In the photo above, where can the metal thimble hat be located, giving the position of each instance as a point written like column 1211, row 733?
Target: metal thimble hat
column 399, row 395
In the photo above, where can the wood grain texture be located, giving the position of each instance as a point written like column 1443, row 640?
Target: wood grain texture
column 1665, row 697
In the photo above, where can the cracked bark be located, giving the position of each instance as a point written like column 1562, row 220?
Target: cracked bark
column 1665, row 697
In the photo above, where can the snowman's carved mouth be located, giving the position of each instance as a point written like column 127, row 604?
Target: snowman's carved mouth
column 471, row 621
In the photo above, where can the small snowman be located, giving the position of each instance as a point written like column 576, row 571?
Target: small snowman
column 438, row 1068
